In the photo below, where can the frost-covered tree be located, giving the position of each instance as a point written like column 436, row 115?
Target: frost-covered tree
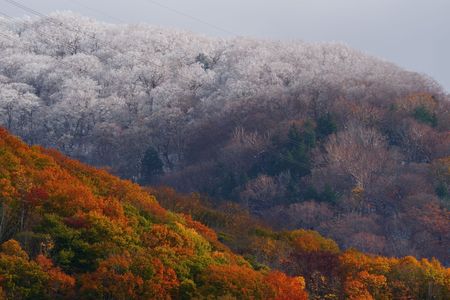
column 149, row 84
column 18, row 106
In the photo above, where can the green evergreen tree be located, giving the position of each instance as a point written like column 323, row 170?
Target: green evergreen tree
column 423, row 115
column 299, row 145
column 151, row 166
column 326, row 126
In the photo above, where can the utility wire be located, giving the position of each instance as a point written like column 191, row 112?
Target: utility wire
column 25, row 8
column 177, row 11
column 190, row 17
column 95, row 10
column 48, row 37
column 61, row 24
column 45, row 17
column 5, row 15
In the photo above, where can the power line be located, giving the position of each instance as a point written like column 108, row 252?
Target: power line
column 191, row 17
column 177, row 11
column 44, row 17
column 61, row 24
column 5, row 15
column 98, row 11
column 49, row 37
column 25, row 8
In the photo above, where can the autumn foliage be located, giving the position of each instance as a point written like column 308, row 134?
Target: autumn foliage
column 69, row 231
column 328, row 271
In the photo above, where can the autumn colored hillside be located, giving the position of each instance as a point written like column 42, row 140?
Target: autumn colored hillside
column 69, row 231
column 329, row 272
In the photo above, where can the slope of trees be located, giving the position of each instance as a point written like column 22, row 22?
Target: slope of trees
column 99, row 91
column 329, row 273
column 314, row 136
column 70, row 231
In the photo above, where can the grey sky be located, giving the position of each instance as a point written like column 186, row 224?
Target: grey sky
column 415, row 34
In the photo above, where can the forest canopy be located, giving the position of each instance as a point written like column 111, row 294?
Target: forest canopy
column 316, row 136
column 72, row 231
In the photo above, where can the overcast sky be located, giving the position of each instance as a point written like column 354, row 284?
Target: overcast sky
column 415, row 34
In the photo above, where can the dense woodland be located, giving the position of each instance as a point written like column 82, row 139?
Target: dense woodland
column 69, row 231
column 314, row 136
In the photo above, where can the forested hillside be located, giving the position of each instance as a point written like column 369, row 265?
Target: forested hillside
column 313, row 136
column 69, row 231
column 330, row 273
